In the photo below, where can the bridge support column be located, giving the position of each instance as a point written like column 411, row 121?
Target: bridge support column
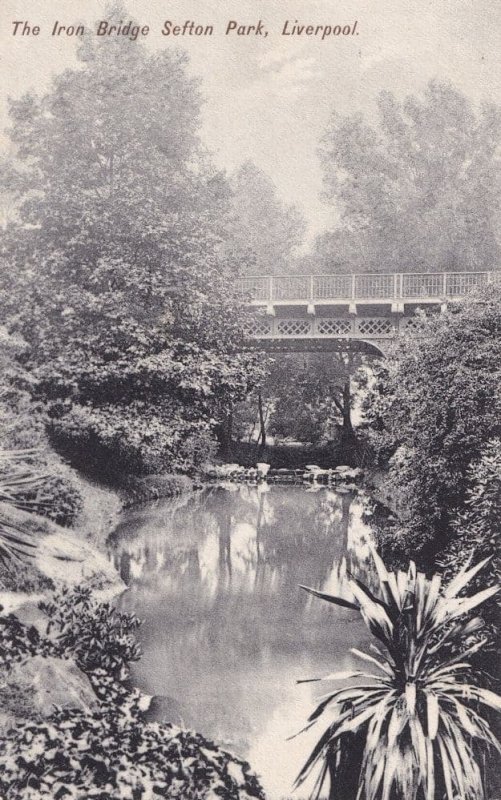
column 352, row 309
column 311, row 309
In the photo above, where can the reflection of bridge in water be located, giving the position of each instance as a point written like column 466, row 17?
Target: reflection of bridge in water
column 317, row 312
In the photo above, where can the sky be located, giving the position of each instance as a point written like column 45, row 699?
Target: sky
column 269, row 98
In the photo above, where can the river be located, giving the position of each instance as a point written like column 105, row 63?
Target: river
column 227, row 631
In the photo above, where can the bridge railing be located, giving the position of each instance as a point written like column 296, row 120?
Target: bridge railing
column 376, row 286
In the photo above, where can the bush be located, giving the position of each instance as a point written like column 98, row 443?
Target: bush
column 108, row 757
column 136, row 440
column 433, row 407
column 97, row 635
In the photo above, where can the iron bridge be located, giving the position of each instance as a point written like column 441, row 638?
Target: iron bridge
column 340, row 312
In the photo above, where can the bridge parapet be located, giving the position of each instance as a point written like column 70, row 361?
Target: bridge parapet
column 374, row 287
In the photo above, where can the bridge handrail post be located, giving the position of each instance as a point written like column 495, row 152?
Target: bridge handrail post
column 312, row 294
column 444, row 284
column 353, row 286
column 270, row 288
column 395, row 285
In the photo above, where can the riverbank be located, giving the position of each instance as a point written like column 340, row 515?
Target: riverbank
column 65, row 681
column 72, row 555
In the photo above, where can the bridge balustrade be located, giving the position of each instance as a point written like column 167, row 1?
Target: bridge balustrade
column 376, row 286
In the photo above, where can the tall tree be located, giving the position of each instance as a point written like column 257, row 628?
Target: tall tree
column 265, row 233
column 120, row 289
column 417, row 191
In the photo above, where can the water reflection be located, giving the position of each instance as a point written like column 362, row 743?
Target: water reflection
column 227, row 631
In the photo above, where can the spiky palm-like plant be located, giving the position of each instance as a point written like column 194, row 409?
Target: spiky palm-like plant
column 16, row 476
column 411, row 728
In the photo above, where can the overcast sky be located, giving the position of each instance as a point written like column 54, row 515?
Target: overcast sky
column 269, row 98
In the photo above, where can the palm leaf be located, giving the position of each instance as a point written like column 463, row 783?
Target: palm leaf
column 338, row 601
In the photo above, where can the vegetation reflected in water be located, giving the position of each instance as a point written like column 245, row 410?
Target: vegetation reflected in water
column 227, row 631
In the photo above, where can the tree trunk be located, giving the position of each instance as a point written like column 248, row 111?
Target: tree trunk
column 349, row 443
column 224, row 432
column 262, row 433
column 347, row 423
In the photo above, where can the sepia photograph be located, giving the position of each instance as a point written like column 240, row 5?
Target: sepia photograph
column 250, row 400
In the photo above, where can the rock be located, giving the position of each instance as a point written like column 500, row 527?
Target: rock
column 48, row 682
column 66, row 559
column 63, row 556
column 263, row 468
column 164, row 709
column 30, row 614
column 13, row 602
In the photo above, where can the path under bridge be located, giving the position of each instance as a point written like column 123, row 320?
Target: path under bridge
column 356, row 312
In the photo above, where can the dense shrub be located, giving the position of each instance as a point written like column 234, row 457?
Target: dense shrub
column 110, row 757
column 31, row 474
column 137, row 440
column 433, row 407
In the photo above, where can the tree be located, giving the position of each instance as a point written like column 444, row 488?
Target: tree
column 313, row 397
column 416, row 192
column 307, row 397
column 265, row 233
column 119, row 287
column 433, row 408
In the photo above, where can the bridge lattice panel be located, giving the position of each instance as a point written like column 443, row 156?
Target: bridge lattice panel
column 375, row 326
column 334, row 327
column 411, row 323
column 260, row 326
column 293, row 327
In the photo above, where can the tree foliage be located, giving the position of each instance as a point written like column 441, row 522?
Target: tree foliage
column 415, row 191
column 117, row 278
column 434, row 406
column 264, row 233
column 304, row 396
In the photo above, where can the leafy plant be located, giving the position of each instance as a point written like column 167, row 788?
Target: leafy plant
column 106, row 756
column 96, row 634
column 412, row 727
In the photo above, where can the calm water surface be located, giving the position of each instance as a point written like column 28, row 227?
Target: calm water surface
column 227, row 632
